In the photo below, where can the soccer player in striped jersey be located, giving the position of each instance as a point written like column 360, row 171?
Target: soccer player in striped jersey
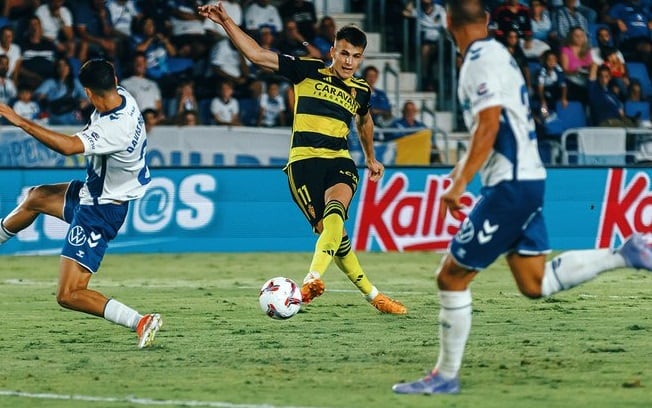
column 114, row 144
column 508, row 217
column 321, row 174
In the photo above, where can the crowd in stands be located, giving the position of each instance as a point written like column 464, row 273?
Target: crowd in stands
column 184, row 70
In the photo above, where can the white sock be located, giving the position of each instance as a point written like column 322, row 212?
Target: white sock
column 454, row 329
column 372, row 295
column 310, row 276
column 4, row 234
column 121, row 314
column 574, row 267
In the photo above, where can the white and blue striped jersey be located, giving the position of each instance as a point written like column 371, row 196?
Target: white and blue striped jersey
column 490, row 77
column 115, row 145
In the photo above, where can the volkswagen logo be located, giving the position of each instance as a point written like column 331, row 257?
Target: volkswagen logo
column 77, row 236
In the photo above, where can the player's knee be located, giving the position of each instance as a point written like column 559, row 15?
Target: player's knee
column 36, row 197
column 65, row 298
column 530, row 290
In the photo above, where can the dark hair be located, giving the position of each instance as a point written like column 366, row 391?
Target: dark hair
column 353, row 35
column 369, row 68
column 466, row 12
column 98, row 75
column 604, row 68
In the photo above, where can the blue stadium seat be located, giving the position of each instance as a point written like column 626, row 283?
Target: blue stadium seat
column 205, row 115
column 640, row 110
column 638, row 71
column 571, row 117
column 248, row 111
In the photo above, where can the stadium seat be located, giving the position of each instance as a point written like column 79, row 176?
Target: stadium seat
column 570, row 117
column 205, row 115
column 639, row 110
column 248, row 111
column 638, row 71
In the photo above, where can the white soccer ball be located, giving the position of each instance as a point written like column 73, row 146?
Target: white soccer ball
column 280, row 298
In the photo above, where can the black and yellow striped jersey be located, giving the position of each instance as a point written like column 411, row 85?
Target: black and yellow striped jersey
column 324, row 106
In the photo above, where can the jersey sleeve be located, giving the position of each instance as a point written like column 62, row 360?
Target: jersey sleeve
column 293, row 68
column 98, row 140
column 483, row 86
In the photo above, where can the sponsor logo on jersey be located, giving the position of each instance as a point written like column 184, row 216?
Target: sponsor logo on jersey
column 77, row 236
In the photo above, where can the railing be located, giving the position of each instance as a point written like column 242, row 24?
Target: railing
column 388, row 70
column 605, row 146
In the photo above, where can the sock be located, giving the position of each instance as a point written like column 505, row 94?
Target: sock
column 121, row 314
column 454, row 329
column 571, row 268
column 330, row 238
column 347, row 261
column 5, row 235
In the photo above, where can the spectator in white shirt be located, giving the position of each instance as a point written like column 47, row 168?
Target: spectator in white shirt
column 272, row 107
column 11, row 50
column 146, row 92
column 25, row 106
column 56, row 21
column 262, row 13
column 225, row 108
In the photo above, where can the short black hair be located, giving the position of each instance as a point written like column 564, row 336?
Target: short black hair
column 98, row 75
column 353, row 35
column 466, row 11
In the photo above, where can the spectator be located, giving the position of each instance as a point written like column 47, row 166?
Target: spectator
column 619, row 76
column 291, row 42
column 123, row 15
column 7, row 87
column 188, row 34
column 408, row 120
column 633, row 23
column 588, row 11
column 11, row 50
column 325, row 37
column 25, row 106
column 511, row 15
column 566, row 18
column 63, row 96
column 511, row 42
column 227, row 64
column 215, row 31
column 146, row 92
column 225, row 108
column 606, row 108
column 260, row 13
column 576, row 62
column 56, row 21
column 95, row 31
column 634, row 91
column 150, row 116
column 431, row 18
column 272, row 107
column 604, row 42
column 188, row 118
column 158, row 11
column 381, row 109
column 186, row 99
column 303, row 13
column 38, row 55
column 540, row 20
column 550, row 87
column 156, row 46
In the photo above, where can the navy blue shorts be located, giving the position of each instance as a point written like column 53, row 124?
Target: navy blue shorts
column 507, row 218
column 91, row 228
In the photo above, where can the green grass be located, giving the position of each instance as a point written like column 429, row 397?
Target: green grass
column 589, row 347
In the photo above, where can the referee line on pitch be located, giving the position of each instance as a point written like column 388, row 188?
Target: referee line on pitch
column 136, row 400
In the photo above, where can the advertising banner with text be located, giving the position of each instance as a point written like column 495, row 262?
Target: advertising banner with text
column 250, row 209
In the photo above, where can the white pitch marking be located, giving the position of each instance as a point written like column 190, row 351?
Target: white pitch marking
column 136, row 400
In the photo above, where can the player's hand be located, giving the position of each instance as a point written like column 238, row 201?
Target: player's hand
column 213, row 12
column 450, row 200
column 376, row 169
column 8, row 113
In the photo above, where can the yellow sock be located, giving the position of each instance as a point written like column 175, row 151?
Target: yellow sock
column 347, row 261
column 330, row 238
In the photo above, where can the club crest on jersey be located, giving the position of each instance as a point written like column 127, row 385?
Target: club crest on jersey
column 353, row 92
column 482, row 89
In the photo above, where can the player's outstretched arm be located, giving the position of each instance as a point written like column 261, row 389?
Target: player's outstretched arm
column 59, row 142
column 243, row 42
column 365, row 126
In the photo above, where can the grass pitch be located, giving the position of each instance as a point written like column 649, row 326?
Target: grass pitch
column 588, row 347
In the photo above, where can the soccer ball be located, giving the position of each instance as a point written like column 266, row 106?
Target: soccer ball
column 280, row 298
